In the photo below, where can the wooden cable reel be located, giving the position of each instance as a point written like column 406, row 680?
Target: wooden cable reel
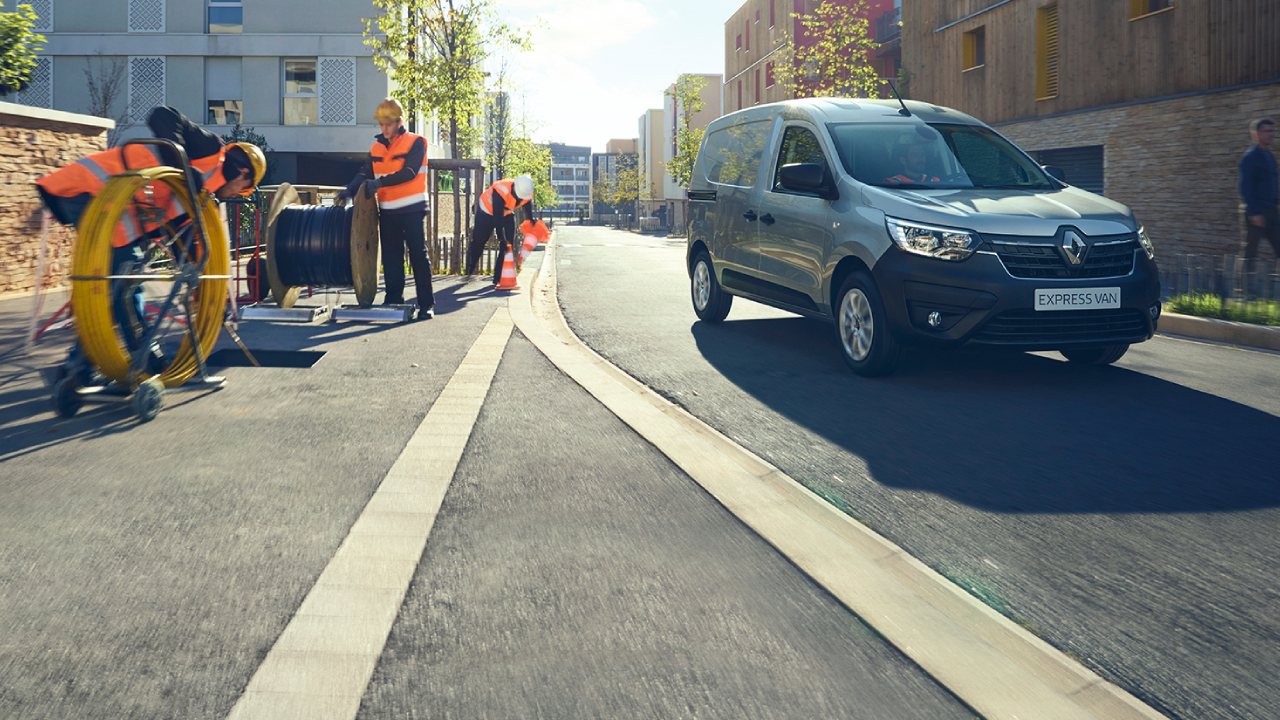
column 363, row 246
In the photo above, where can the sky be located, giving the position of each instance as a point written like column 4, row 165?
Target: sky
column 597, row 65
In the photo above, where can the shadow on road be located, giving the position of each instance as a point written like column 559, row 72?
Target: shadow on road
column 1010, row 432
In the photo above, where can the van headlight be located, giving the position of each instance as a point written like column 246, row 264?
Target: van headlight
column 936, row 242
column 1145, row 241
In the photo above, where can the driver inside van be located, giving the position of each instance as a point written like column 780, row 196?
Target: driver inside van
column 912, row 162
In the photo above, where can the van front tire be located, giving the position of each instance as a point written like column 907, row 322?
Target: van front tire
column 710, row 301
column 862, row 328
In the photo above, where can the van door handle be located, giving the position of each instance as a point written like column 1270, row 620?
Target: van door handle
column 750, row 215
column 767, row 219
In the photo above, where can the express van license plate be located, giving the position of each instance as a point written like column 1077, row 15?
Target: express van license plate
column 1078, row 299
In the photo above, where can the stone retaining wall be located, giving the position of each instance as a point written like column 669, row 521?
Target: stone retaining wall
column 34, row 141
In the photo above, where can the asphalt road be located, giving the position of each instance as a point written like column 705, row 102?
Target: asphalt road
column 1125, row 514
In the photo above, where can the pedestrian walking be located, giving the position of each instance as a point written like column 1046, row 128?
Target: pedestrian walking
column 397, row 175
column 1260, row 190
column 496, row 210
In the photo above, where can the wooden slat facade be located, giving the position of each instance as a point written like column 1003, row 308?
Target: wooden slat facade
column 1104, row 56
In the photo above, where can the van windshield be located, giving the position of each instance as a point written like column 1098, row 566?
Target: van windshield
column 935, row 155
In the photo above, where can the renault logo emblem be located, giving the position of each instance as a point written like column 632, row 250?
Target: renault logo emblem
column 1073, row 247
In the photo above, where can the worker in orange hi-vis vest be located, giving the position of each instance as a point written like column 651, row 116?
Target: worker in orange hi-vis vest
column 496, row 210
column 226, row 171
column 397, row 174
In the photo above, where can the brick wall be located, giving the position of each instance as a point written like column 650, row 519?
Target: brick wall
column 1174, row 162
column 32, row 143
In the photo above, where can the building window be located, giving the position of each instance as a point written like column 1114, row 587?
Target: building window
column 757, row 102
column 975, row 48
column 757, row 16
column 768, row 74
column 739, row 45
column 44, row 14
column 772, row 15
column 225, row 112
column 742, row 101
column 146, row 85
column 226, row 16
column 1047, row 52
column 224, row 97
column 747, row 31
column 1143, row 8
column 39, row 89
column 301, row 105
column 146, row 16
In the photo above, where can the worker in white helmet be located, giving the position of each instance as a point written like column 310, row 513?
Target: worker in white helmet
column 496, row 210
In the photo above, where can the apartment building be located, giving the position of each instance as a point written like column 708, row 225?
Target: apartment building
column 297, row 71
column 649, row 150
column 571, row 178
column 762, row 32
column 618, row 154
column 1146, row 101
column 674, row 196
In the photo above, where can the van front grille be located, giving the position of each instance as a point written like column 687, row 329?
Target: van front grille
column 1027, row 259
column 1047, row 328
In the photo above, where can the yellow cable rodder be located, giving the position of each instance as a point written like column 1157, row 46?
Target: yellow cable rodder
column 91, row 298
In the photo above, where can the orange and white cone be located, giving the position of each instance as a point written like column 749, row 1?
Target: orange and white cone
column 507, row 281
column 530, row 242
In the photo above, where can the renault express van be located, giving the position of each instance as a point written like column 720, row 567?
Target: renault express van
column 905, row 223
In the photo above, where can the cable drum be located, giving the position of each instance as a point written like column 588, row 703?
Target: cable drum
column 313, row 245
column 321, row 246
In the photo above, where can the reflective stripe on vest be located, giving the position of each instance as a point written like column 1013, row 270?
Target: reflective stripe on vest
column 388, row 160
column 506, row 189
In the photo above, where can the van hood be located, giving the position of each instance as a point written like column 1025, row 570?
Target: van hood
column 1006, row 212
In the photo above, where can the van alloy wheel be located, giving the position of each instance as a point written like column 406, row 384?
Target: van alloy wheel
column 701, row 286
column 857, row 326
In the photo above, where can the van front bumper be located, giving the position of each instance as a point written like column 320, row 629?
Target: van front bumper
column 978, row 301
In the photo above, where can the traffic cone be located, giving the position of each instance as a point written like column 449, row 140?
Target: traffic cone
column 508, row 279
column 530, row 242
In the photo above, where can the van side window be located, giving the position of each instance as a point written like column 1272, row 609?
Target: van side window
column 799, row 145
column 731, row 156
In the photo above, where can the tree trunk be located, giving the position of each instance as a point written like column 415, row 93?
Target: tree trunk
column 458, row 239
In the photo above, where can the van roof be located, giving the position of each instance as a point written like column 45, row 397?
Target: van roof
column 832, row 109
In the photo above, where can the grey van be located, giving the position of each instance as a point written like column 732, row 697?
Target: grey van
column 911, row 223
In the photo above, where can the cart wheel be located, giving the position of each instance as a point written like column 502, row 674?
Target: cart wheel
column 66, row 401
column 148, row 399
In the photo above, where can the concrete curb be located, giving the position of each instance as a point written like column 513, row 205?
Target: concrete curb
column 1236, row 333
column 992, row 664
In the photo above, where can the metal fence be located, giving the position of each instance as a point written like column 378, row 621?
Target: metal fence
column 1229, row 277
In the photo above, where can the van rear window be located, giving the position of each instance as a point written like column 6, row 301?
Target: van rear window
column 731, row 155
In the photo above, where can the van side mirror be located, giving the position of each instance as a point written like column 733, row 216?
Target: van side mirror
column 1055, row 172
column 806, row 178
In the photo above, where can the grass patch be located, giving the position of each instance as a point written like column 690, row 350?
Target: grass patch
column 1257, row 312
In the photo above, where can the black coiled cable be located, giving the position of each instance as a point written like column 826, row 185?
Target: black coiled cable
column 313, row 245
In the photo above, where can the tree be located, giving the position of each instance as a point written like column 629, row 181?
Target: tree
column 19, row 44
column 627, row 183
column 447, row 74
column 105, row 81
column 525, row 157
column 829, row 55
column 687, row 96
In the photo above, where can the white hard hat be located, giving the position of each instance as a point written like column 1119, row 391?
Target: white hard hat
column 524, row 186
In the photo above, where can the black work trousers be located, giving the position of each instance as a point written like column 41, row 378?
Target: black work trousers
column 485, row 225
column 1253, row 234
column 400, row 231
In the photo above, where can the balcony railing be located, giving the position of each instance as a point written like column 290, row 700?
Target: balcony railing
column 889, row 25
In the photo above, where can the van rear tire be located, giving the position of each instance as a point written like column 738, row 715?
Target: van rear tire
column 710, row 302
column 1095, row 355
column 867, row 343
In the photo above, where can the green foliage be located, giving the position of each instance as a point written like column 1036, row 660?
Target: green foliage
column 525, row 157
column 1258, row 312
column 835, row 62
column 688, row 101
column 434, row 51
column 621, row 189
column 19, row 44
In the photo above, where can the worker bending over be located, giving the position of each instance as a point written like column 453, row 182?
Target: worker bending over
column 496, row 210
column 397, row 174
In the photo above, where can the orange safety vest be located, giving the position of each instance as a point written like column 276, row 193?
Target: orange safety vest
column 388, row 160
column 907, row 180
column 507, row 189
column 90, row 174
